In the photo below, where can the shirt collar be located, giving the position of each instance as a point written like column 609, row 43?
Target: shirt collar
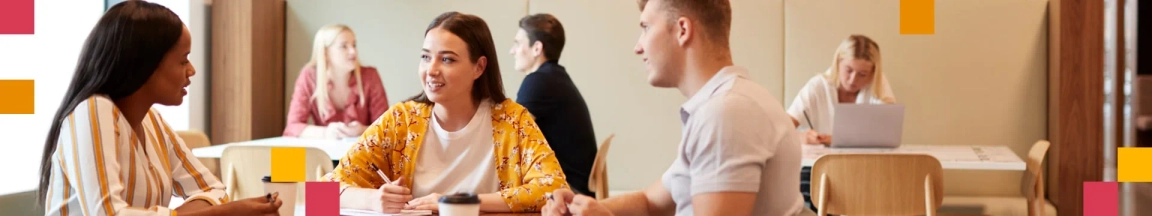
column 709, row 89
column 548, row 66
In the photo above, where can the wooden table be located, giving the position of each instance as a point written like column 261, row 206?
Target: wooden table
column 951, row 157
column 300, row 212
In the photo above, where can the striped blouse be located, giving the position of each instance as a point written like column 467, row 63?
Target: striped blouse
column 100, row 168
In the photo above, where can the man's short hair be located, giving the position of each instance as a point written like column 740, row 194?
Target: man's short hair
column 714, row 16
column 546, row 29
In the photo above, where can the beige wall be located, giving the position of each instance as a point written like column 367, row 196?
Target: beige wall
column 390, row 33
column 601, row 35
column 979, row 80
column 598, row 55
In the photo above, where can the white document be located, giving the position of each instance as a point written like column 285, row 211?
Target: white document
column 357, row 212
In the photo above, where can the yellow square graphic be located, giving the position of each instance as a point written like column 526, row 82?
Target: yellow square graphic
column 1134, row 164
column 917, row 17
column 18, row 97
column 288, row 164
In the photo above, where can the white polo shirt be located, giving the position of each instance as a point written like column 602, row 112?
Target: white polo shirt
column 737, row 138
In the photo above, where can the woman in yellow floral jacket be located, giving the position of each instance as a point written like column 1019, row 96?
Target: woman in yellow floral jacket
column 459, row 135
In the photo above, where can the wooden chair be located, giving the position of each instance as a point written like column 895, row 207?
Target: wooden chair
column 196, row 139
column 1033, row 182
column 877, row 184
column 244, row 166
column 598, row 180
column 1031, row 186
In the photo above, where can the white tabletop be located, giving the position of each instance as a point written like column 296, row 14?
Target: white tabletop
column 951, row 157
column 335, row 148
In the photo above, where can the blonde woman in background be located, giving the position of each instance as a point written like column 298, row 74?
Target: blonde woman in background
column 854, row 77
column 334, row 92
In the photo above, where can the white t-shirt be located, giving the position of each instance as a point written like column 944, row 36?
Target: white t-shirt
column 457, row 161
column 818, row 97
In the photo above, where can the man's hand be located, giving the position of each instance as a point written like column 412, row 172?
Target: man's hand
column 558, row 203
column 563, row 203
column 583, row 205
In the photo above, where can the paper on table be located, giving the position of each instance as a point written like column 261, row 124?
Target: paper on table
column 357, row 212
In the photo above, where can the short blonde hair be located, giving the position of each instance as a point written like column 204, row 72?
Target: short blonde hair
column 863, row 48
column 320, row 62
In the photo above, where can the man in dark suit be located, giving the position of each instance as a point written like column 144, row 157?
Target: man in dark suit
column 551, row 96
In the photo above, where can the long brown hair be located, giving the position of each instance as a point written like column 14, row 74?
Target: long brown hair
column 474, row 31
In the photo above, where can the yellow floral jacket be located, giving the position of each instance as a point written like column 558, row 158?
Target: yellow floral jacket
column 525, row 164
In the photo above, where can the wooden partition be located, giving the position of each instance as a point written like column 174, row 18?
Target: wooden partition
column 1075, row 100
column 247, row 76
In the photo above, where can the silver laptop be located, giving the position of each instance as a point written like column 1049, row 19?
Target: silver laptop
column 867, row 125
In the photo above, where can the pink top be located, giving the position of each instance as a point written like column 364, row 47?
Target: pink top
column 303, row 108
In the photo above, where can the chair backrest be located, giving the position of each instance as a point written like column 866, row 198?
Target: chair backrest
column 1032, row 184
column 877, row 184
column 196, row 139
column 244, row 166
column 598, row 179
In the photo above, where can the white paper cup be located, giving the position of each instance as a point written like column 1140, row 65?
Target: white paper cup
column 287, row 195
column 459, row 205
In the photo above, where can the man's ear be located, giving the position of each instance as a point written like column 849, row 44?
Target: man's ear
column 537, row 48
column 684, row 30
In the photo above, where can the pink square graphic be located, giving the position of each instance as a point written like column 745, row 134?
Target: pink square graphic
column 1101, row 199
column 17, row 17
column 322, row 198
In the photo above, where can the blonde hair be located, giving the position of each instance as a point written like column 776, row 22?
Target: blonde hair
column 320, row 62
column 863, row 48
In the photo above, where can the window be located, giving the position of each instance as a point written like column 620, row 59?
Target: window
column 48, row 57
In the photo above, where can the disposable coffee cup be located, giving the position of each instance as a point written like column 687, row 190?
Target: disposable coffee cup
column 287, row 196
column 460, row 204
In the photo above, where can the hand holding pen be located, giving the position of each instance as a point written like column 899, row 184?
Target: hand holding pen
column 393, row 196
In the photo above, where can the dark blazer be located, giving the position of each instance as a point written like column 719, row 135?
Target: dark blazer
column 560, row 111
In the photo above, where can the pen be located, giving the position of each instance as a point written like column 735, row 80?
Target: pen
column 810, row 127
column 381, row 173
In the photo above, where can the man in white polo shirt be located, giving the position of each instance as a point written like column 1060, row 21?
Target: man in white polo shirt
column 739, row 153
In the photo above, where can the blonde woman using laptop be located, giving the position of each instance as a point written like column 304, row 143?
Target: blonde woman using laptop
column 334, row 92
column 855, row 77
column 460, row 134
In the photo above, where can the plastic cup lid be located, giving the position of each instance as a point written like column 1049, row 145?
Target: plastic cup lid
column 460, row 198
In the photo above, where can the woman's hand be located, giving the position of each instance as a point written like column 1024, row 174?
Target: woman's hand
column 429, row 202
column 393, row 198
column 352, row 129
column 334, row 130
column 812, row 137
column 254, row 206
